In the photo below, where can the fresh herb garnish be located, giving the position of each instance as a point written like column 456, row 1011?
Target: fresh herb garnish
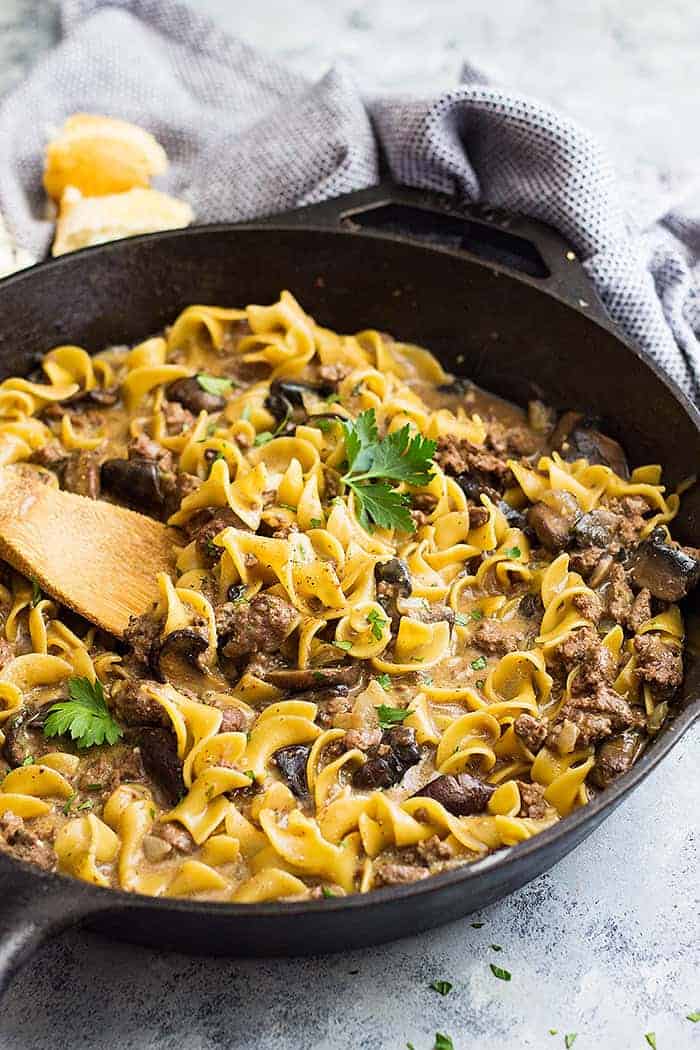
column 377, row 623
column 217, row 385
column 570, row 1039
column 28, row 761
column 391, row 716
column 651, row 1039
column 497, row 971
column 263, row 437
column 373, row 463
column 85, row 716
column 480, row 683
column 443, row 1042
column 477, row 614
column 345, row 646
column 287, row 506
column 250, row 774
column 87, row 804
column 326, row 892
column 553, row 1031
column 496, row 948
column 322, row 424
column 36, row 592
column 384, row 680
column 442, row 987
column 694, row 1017
column 514, row 552
column 69, row 802
column 316, row 523
column 461, row 619
column 479, row 664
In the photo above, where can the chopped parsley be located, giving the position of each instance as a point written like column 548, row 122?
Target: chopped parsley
column 326, row 892
column 497, row 971
column 480, row 683
column 85, row 716
column 514, row 552
column 28, row 761
column 69, row 802
column 374, row 463
column 316, row 523
column 250, row 774
column 384, row 681
column 651, row 1039
column 441, row 987
column 461, row 619
column 553, row 1031
column 36, row 592
column 217, row 385
column 479, row 664
column 377, row 622
column 287, row 506
column 694, row 1017
column 391, row 716
column 263, row 437
column 345, row 646
column 570, row 1039
column 443, row 1042
column 476, row 614
column 322, row 424
column 87, row 804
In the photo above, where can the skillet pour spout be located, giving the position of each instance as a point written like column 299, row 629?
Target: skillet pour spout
column 498, row 300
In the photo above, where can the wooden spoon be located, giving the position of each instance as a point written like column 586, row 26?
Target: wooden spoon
column 98, row 559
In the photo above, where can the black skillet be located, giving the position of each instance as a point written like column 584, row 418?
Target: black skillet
column 497, row 299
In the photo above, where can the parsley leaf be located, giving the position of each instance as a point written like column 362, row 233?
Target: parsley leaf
column 461, row 619
column 384, row 680
column 443, row 1042
column 345, row 646
column 570, row 1039
column 85, row 716
column 514, row 552
column 476, row 614
column 442, row 987
column 217, row 385
column 372, row 463
column 503, row 975
column 326, row 892
column 651, row 1039
column 479, row 664
column 391, row 716
column 694, row 1017
column 377, row 623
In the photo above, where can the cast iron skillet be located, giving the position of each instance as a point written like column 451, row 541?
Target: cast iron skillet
column 499, row 300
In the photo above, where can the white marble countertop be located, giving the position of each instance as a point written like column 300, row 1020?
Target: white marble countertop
column 604, row 945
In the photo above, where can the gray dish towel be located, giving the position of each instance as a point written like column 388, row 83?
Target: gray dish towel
column 246, row 137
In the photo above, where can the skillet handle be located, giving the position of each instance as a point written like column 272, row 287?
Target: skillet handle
column 35, row 906
column 509, row 243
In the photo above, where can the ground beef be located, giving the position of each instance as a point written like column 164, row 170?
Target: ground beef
column 598, row 667
column 104, row 770
column 260, row 625
column 598, row 714
column 81, row 474
column 577, row 646
column 589, row 605
column 141, row 634
column 133, row 705
column 221, row 518
column 532, row 803
column 422, row 506
column 16, row 839
column 496, row 637
column 176, row 836
column 51, row 455
column 552, row 528
column 364, row 739
column 396, row 874
column 433, row 850
column 175, row 488
column 617, row 594
column 631, row 521
column 658, row 665
column 331, row 708
column 143, row 447
column 531, row 731
column 6, row 652
column 233, row 720
column 641, row 610
column 177, row 418
column 457, row 456
column 478, row 516
column 585, row 561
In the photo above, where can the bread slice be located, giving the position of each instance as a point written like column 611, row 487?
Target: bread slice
column 83, row 221
column 101, row 155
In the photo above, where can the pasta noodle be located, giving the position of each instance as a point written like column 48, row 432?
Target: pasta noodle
column 410, row 625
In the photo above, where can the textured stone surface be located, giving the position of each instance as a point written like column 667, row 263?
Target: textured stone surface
column 606, row 944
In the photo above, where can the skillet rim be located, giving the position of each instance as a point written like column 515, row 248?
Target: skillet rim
column 107, row 899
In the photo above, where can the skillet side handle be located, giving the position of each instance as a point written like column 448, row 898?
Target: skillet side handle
column 537, row 253
column 35, row 906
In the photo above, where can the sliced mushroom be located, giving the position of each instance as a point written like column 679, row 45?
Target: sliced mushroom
column 291, row 762
column 598, row 528
column 288, row 394
column 387, row 763
column 616, row 756
column 577, row 438
column 474, row 486
column 461, row 795
column 136, row 482
column 24, row 733
column 667, row 570
column 187, row 642
column 161, row 762
column 314, row 679
column 194, row 397
column 396, row 574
